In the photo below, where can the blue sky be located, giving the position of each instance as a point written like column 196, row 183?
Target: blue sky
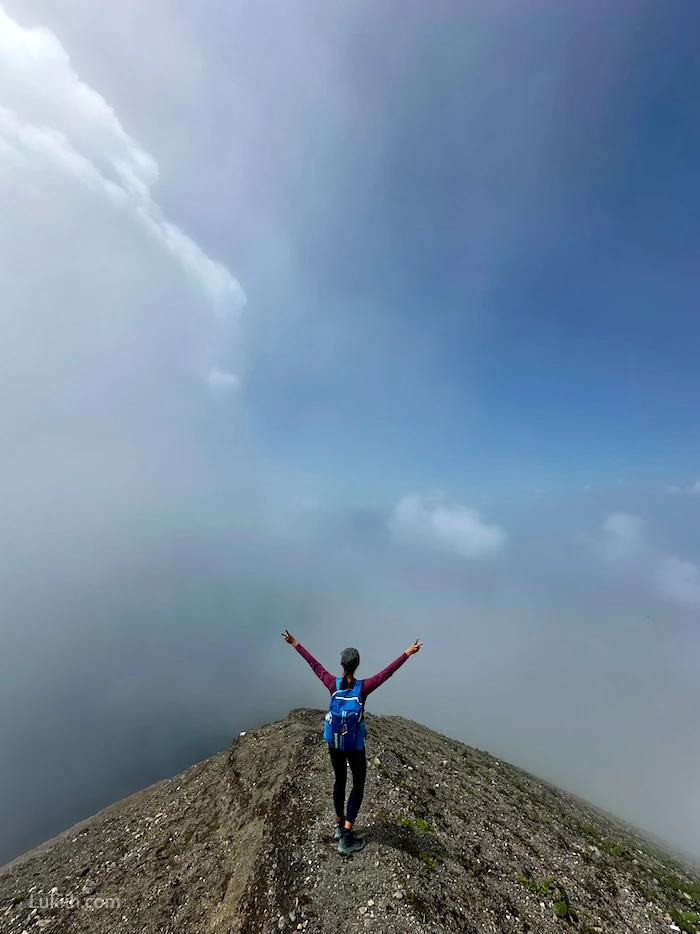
column 498, row 274
column 369, row 318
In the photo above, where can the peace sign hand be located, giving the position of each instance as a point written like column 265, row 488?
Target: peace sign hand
column 415, row 647
column 288, row 637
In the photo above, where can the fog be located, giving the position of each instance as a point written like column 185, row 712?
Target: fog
column 159, row 234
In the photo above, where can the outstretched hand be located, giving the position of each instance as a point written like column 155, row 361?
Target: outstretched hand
column 414, row 647
column 288, row 637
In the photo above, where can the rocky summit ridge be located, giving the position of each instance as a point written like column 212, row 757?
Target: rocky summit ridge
column 242, row 843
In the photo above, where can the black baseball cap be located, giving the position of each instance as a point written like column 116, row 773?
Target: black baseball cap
column 350, row 659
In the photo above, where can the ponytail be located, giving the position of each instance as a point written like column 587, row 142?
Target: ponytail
column 349, row 674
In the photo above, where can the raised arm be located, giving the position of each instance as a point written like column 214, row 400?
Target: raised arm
column 371, row 684
column 325, row 676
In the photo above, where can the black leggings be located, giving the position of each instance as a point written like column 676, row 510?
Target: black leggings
column 358, row 766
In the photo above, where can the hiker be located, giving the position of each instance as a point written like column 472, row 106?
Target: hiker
column 344, row 731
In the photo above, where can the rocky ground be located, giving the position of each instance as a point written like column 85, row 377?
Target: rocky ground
column 242, row 843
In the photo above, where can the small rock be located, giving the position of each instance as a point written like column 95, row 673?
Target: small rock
column 687, row 897
column 398, row 894
column 84, row 871
column 242, row 733
column 282, row 922
column 300, row 927
column 54, row 890
column 376, row 762
column 363, row 909
column 370, row 902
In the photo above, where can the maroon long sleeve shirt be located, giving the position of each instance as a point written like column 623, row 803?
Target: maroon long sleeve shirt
column 368, row 684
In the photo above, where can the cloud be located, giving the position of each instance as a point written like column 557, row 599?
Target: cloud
column 116, row 465
column 694, row 488
column 674, row 578
column 426, row 519
column 621, row 525
column 56, row 120
column 219, row 379
column 679, row 580
column 623, row 536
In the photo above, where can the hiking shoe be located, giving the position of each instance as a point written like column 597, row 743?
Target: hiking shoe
column 350, row 843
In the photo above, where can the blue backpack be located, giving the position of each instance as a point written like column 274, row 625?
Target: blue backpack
column 344, row 726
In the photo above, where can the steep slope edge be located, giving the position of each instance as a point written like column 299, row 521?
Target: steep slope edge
column 176, row 856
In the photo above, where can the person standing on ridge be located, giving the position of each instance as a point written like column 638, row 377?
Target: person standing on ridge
column 344, row 731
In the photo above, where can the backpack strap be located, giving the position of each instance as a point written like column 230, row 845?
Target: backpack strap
column 356, row 689
column 358, row 695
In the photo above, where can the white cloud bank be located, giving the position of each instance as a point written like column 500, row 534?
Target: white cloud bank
column 52, row 119
column 625, row 544
column 427, row 519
